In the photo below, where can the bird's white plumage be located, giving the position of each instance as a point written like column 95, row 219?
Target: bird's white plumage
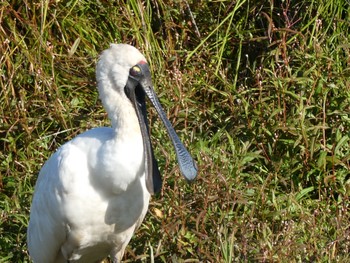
column 91, row 195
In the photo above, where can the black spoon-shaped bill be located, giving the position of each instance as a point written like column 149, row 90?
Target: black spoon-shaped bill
column 187, row 165
column 140, row 74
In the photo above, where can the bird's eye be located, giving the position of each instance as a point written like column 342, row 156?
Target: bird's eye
column 135, row 71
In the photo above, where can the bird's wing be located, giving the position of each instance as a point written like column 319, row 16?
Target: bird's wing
column 46, row 232
column 48, row 226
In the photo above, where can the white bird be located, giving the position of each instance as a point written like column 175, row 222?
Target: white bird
column 93, row 193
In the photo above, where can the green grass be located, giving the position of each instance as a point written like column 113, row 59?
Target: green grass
column 259, row 91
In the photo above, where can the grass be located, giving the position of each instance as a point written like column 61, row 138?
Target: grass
column 259, row 92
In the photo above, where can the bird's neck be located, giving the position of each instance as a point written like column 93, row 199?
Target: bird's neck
column 123, row 116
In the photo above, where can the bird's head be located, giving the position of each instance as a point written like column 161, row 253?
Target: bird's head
column 126, row 71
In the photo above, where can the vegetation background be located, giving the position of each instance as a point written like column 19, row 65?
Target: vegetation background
column 259, row 91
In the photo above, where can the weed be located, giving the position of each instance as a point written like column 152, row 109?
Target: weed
column 259, row 92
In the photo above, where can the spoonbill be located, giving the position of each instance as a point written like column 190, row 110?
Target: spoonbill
column 93, row 192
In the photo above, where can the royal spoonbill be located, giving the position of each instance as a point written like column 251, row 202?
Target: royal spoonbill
column 93, row 193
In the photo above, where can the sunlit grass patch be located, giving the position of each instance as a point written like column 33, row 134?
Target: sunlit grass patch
column 259, row 92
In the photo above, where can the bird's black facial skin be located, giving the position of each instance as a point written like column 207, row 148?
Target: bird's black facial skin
column 138, row 85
